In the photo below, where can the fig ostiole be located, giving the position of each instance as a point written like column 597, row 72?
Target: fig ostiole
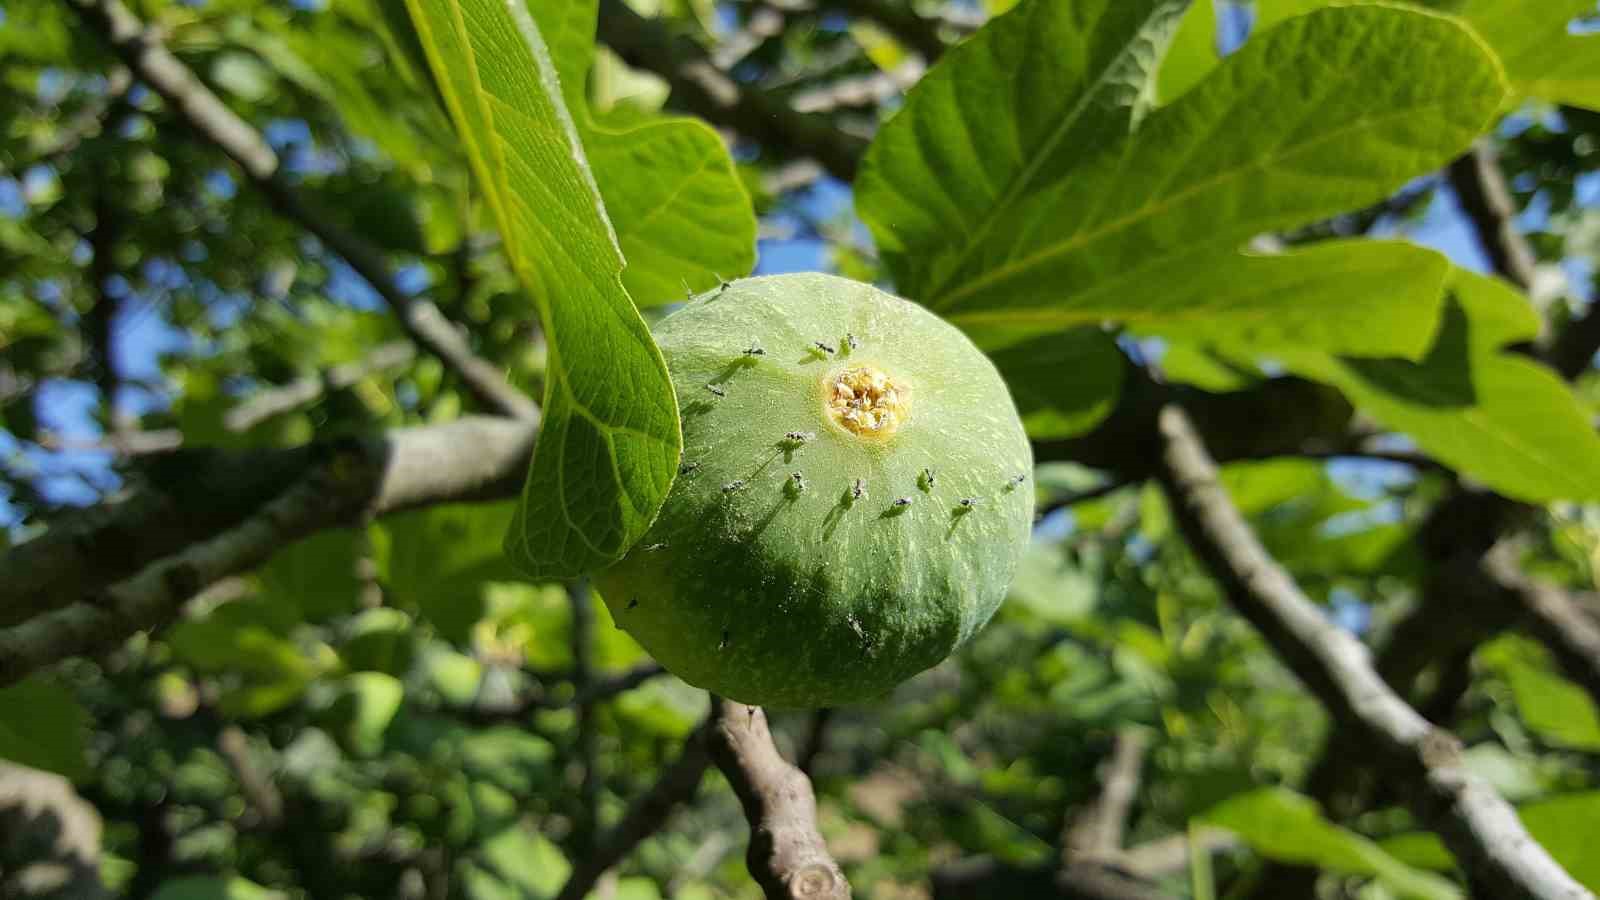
column 847, row 510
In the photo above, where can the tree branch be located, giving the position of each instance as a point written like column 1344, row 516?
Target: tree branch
column 1478, row 826
column 787, row 855
column 1096, row 832
column 276, row 401
column 648, row 815
column 703, row 89
column 1484, row 196
column 309, row 489
column 143, row 52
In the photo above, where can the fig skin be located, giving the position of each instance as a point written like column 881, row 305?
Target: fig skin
column 853, row 498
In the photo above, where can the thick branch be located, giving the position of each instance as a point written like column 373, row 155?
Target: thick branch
column 320, row 487
column 703, row 89
column 1478, row 826
column 787, row 855
column 647, row 816
column 143, row 52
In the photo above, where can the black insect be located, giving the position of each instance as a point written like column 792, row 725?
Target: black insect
column 797, row 482
column 903, row 502
column 732, row 486
column 968, row 502
column 688, row 467
column 799, row 437
column 716, row 390
column 850, row 341
column 824, row 347
column 632, row 602
column 927, row 478
column 754, row 350
column 858, row 490
column 1017, row 480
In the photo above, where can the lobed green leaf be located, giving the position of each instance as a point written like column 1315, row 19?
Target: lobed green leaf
column 610, row 442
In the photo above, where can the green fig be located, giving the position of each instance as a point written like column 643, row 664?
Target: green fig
column 852, row 500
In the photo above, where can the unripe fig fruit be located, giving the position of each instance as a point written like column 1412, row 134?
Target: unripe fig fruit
column 852, row 501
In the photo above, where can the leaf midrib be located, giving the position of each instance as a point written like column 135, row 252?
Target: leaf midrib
column 1149, row 210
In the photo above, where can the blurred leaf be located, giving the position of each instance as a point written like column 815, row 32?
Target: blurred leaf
column 1282, row 825
column 1542, row 56
column 515, row 864
column 378, row 640
column 315, row 576
column 609, row 445
column 439, row 561
column 1557, row 710
column 205, row 887
column 1063, row 384
column 43, row 726
column 367, row 703
column 1563, row 825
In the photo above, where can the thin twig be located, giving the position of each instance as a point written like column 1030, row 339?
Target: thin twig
column 588, row 750
column 648, row 815
column 143, row 52
column 1478, row 826
column 1096, row 832
column 787, row 855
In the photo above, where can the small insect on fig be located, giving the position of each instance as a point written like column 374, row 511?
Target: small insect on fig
column 632, row 602
column 754, row 350
column 797, row 483
column 858, row 490
column 826, row 350
column 850, row 341
column 732, row 486
column 799, row 437
column 716, row 390
column 688, row 467
column 968, row 502
column 651, row 548
column 1016, row 481
column 925, row 480
column 902, row 503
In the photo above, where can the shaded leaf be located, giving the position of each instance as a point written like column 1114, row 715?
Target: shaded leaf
column 1502, row 419
column 42, row 725
column 1063, row 384
column 1282, row 825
